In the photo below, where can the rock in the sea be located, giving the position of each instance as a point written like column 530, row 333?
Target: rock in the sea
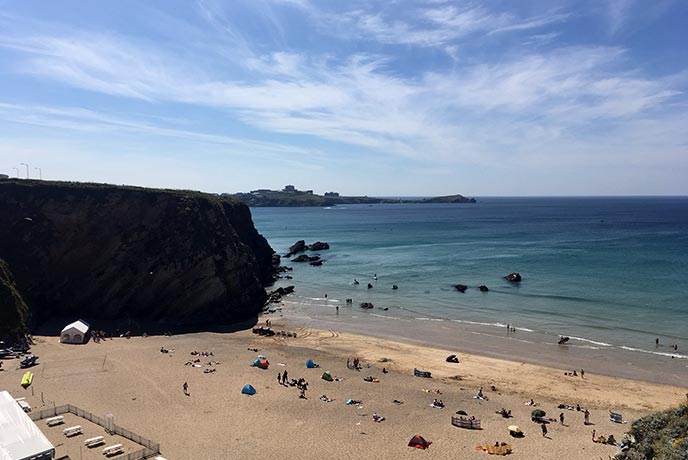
column 318, row 246
column 276, row 259
column 461, row 287
column 306, row 258
column 514, row 277
column 483, row 288
column 366, row 305
column 370, row 286
column 297, row 247
column 317, row 263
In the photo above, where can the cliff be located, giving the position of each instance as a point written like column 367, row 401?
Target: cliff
column 13, row 310
column 104, row 251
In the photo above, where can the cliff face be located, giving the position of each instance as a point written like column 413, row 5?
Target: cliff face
column 13, row 310
column 115, row 252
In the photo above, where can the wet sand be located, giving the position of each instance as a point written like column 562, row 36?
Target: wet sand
column 142, row 387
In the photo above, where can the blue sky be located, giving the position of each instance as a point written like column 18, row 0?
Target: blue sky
column 381, row 98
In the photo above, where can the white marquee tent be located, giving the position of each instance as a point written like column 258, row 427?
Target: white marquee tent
column 75, row 332
column 20, row 438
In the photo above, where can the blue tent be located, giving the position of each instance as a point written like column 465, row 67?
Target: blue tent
column 248, row 390
column 310, row 364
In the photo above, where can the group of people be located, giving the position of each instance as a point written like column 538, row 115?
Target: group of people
column 353, row 364
column 604, row 440
column 575, row 374
column 437, row 403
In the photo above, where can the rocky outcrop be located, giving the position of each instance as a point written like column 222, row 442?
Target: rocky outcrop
column 318, row 246
column 295, row 248
column 301, row 246
column 103, row 251
column 14, row 313
column 514, row 277
column 306, row 258
column 483, row 288
column 461, row 287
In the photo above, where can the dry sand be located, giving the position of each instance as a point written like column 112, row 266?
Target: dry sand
column 143, row 389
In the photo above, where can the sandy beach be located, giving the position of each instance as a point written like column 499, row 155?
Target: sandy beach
column 142, row 388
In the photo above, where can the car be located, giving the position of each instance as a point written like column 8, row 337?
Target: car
column 28, row 361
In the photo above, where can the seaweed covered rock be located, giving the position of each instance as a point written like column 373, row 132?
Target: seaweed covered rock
column 660, row 436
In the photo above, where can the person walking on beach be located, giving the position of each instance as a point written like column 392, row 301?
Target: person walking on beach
column 586, row 414
column 561, row 418
column 285, row 381
column 582, row 373
column 186, row 388
column 544, row 430
column 279, row 378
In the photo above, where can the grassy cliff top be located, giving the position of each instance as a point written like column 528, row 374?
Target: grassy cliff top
column 90, row 187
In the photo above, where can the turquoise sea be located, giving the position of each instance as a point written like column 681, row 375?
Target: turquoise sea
column 610, row 273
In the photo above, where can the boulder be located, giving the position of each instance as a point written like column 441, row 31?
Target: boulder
column 297, row 247
column 276, row 259
column 483, row 288
column 366, row 305
column 318, row 246
column 306, row 258
column 317, row 263
column 514, row 277
column 461, row 287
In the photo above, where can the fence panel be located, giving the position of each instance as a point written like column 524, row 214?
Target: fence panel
column 150, row 447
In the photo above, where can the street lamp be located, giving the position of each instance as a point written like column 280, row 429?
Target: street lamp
column 27, row 169
column 40, row 173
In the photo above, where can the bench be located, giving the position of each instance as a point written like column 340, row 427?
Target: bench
column 52, row 421
column 72, row 431
column 24, row 405
column 113, row 450
column 93, row 442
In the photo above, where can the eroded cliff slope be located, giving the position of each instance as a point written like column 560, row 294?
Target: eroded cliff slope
column 110, row 252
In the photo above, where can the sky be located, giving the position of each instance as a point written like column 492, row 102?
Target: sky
column 387, row 98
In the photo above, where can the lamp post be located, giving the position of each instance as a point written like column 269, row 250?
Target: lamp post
column 40, row 173
column 17, row 169
column 27, row 169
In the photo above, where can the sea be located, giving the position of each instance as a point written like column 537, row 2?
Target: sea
column 609, row 273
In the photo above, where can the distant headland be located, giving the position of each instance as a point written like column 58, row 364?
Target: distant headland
column 290, row 196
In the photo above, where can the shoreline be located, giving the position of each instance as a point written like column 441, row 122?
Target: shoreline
column 483, row 341
column 477, row 370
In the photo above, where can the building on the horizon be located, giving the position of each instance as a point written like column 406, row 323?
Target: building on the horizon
column 331, row 193
column 260, row 191
column 289, row 189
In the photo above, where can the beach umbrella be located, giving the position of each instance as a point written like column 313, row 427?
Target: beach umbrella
column 537, row 413
column 514, row 428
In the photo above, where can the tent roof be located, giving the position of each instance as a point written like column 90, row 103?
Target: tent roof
column 20, row 438
column 81, row 325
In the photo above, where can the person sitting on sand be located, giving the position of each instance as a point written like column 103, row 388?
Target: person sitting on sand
column 530, row 403
column 480, row 392
column 610, row 440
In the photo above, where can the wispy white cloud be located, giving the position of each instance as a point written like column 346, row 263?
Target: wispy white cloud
column 528, row 104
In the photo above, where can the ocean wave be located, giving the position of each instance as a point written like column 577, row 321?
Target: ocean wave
column 659, row 353
column 582, row 339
